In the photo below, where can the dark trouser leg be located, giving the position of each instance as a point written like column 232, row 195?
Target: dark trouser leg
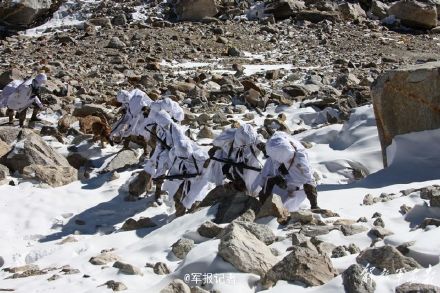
column 22, row 117
column 10, row 114
column 312, row 195
column 158, row 191
column 126, row 143
column 267, row 191
column 35, row 112
column 180, row 208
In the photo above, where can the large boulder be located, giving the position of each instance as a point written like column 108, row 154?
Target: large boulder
column 123, row 159
column 10, row 75
column 55, row 176
column 32, row 157
column 244, row 251
column 284, row 9
column 406, row 100
column 387, row 258
column 25, row 13
column 415, row 14
column 303, row 265
column 195, row 10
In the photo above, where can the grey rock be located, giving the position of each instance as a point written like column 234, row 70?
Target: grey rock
column 244, row 251
column 176, row 286
column 161, row 268
column 379, row 232
column 195, row 10
column 209, row 229
column 356, row 280
column 116, row 43
column 417, row 288
column 404, row 100
column 349, row 230
column 182, row 247
column 126, row 268
column 262, row 232
column 122, row 160
column 116, row 286
column 303, row 265
column 387, row 258
column 415, row 14
column 103, row 259
column 273, row 207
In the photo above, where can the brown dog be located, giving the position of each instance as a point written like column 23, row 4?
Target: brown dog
column 98, row 126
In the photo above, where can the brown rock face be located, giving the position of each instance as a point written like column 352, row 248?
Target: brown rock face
column 415, row 14
column 303, row 265
column 406, row 100
column 194, row 10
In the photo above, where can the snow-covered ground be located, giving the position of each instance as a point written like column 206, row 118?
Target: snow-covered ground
column 35, row 220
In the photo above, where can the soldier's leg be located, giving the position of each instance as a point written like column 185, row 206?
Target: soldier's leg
column 267, row 191
column 158, row 191
column 22, row 117
column 35, row 112
column 126, row 143
column 180, row 208
column 312, row 195
column 10, row 114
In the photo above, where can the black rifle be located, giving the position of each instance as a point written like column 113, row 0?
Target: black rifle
column 175, row 177
column 162, row 142
column 240, row 164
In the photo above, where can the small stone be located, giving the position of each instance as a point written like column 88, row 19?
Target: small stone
column 103, row 259
column 176, row 286
column 349, row 230
column 379, row 232
column 209, row 229
column 339, row 251
column 161, row 268
column 298, row 238
column 379, row 222
column 404, row 209
column 126, row 268
column 205, row 132
column 54, row 277
column 234, row 52
column 353, row 248
column 116, row 286
column 182, row 247
column 376, row 215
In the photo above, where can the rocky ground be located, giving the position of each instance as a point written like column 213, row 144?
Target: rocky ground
column 66, row 224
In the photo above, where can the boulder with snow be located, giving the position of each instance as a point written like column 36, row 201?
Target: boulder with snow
column 244, row 251
column 387, row 258
column 25, row 13
column 409, row 287
column 195, row 10
column 406, row 100
column 356, row 280
column 303, row 265
column 415, row 14
column 32, row 157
